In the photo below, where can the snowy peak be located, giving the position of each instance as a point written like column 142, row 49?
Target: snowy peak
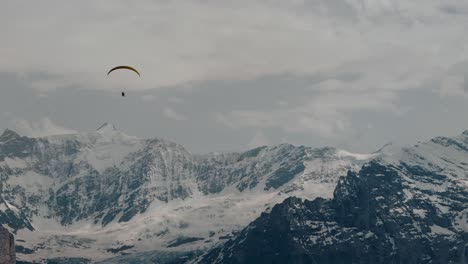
column 106, row 128
column 152, row 194
column 384, row 148
column 107, row 132
column 405, row 203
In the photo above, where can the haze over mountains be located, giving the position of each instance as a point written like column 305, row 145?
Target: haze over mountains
column 105, row 195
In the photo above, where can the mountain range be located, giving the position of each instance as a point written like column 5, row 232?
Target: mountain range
column 108, row 197
column 105, row 194
column 408, row 205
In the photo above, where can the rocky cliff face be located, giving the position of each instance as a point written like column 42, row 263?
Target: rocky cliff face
column 7, row 247
column 409, row 206
column 108, row 194
column 105, row 194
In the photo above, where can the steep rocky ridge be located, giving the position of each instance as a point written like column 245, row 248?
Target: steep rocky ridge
column 86, row 194
column 405, row 206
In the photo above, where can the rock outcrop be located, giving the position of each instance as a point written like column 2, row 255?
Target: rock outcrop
column 111, row 181
column 7, row 247
column 385, row 214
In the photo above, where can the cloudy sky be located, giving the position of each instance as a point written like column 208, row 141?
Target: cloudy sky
column 230, row 75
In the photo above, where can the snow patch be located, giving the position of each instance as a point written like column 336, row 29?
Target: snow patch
column 420, row 212
column 344, row 153
column 435, row 229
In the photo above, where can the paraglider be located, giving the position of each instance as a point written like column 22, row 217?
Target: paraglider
column 126, row 68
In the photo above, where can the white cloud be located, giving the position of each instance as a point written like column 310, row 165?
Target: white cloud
column 175, row 100
column 175, row 42
column 148, row 98
column 172, row 114
column 222, row 119
column 39, row 128
column 367, row 54
column 327, row 114
column 453, row 86
column 259, row 139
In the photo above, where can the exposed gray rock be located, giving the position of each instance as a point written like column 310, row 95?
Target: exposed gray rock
column 7, row 247
column 384, row 214
column 106, row 178
column 149, row 170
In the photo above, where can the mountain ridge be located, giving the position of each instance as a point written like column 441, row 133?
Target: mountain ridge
column 403, row 207
column 69, row 188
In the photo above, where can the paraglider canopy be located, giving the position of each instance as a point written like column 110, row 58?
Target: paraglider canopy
column 125, row 68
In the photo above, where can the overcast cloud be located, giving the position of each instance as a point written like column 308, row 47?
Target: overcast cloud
column 227, row 75
column 39, row 128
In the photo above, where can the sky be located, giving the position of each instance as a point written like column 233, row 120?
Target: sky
column 233, row 75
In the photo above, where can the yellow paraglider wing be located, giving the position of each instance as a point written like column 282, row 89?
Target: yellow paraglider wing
column 124, row 67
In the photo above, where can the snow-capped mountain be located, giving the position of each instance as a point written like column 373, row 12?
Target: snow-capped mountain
column 407, row 205
column 104, row 194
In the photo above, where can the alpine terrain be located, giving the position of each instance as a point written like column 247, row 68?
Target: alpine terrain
column 407, row 205
column 109, row 197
